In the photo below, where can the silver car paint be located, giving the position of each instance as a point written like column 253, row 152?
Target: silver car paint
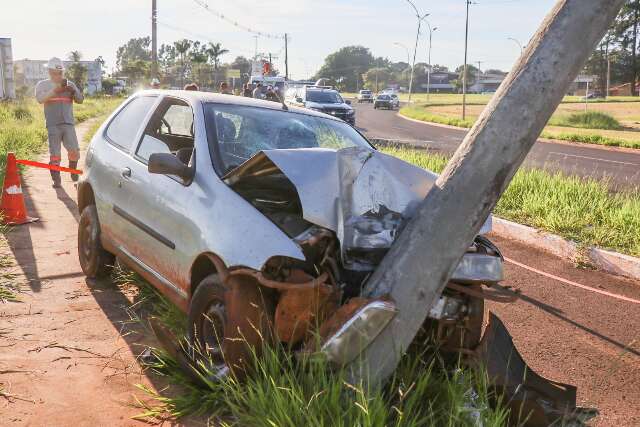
column 203, row 217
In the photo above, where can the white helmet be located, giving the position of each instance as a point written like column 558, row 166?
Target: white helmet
column 55, row 64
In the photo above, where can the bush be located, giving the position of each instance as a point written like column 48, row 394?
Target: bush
column 588, row 120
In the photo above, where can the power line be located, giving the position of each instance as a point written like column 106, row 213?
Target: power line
column 235, row 23
column 193, row 34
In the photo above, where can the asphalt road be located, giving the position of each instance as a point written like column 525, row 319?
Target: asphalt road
column 622, row 168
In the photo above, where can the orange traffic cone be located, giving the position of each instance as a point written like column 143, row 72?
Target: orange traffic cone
column 12, row 207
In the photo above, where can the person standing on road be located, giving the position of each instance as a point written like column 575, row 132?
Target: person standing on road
column 224, row 89
column 257, row 92
column 247, row 91
column 58, row 95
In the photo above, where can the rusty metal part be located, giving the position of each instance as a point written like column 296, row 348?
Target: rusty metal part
column 534, row 400
column 501, row 296
column 283, row 286
column 249, row 321
column 301, row 309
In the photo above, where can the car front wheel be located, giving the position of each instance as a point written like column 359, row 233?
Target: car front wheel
column 228, row 322
column 95, row 261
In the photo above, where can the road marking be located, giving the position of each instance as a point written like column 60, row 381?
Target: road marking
column 594, row 158
column 572, row 283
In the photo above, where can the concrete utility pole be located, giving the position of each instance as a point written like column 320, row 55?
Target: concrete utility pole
column 464, row 71
column 420, row 263
column 154, row 37
column 286, row 56
column 415, row 50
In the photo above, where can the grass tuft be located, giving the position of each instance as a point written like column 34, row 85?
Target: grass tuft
column 587, row 120
column 421, row 113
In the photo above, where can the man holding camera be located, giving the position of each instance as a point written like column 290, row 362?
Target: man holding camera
column 58, row 95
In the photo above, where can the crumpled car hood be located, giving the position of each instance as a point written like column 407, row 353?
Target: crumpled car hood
column 363, row 195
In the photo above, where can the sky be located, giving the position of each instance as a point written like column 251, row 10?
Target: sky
column 44, row 28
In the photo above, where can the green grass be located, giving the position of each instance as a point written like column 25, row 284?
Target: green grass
column 592, row 139
column 587, row 120
column 420, row 113
column 283, row 390
column 579, row 209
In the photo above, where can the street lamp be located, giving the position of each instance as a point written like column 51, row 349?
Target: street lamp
column 405, row 48
column 516, row 41
column 431, row 31
column 415, row 50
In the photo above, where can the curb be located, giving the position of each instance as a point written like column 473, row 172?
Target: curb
column 608, row 261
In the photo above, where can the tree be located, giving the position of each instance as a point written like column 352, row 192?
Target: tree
column 215, row 51
column 77, row 71
column 347, row 66
column 182, row 48
column 377, row 78
column 472, row 74
column 241, row 63
column 135, row 49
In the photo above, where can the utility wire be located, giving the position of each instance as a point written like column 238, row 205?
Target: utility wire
column 235, row 23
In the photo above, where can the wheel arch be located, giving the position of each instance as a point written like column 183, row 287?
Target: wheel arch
column 205, row 264
column 85, row 196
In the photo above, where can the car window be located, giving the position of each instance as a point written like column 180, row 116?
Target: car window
column 178, row 120
column 241, row 132
column 170, row 130
column 124, row 127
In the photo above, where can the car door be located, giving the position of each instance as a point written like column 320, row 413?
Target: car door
column 158, row 205
column 111, row 161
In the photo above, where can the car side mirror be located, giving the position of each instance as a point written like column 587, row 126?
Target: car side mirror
column 348, row 102
column 168, row 164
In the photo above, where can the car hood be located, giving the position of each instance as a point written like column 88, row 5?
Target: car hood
column 328, row 106
column 362, row 195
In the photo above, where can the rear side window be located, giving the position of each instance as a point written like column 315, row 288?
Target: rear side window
column 124, row 127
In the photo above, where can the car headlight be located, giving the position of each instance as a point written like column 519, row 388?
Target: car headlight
column 358, row 332
column 316, row 109
column 350, row 113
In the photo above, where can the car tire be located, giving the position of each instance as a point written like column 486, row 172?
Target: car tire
column 227, row 323
column 95, row 261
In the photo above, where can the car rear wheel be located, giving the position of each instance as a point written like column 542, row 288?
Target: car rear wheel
column 227, row 323
column 95, row 261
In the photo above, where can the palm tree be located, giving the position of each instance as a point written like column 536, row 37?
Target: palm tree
column 75, row 56
column 182, row 47
column 215, row 51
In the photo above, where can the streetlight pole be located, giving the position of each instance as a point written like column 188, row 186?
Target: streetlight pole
column 407, row 49
column 516, row 41
column 464, row 71
column 431, row 31
column 415, row 50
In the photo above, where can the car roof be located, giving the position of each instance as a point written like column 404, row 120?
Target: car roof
column 209, row 97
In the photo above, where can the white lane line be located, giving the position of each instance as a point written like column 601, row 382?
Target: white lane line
column 594, row 158
column 572, row 283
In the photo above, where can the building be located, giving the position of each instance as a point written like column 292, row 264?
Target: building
column 441, row 82
column 29, row 72
column 581, row 85
column 487, row 82
column 7, row 84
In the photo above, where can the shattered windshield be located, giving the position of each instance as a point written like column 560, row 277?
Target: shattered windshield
column 242, row 131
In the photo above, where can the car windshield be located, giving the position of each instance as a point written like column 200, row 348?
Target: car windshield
column 322, row 97
column 240, row 132
column 384, row 97
column 365, row 92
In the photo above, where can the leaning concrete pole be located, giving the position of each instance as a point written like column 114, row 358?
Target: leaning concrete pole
column 420, row 263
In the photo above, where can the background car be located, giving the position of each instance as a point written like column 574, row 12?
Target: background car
column 383, row 101
column 395, row 101
column 365, row 95
column 324, row 99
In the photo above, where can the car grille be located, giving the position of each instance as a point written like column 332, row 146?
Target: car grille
column 336, row 112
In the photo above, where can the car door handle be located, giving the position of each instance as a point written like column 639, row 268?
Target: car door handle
column 126, row 173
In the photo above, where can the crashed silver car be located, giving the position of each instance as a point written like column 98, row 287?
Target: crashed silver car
column 265, row 221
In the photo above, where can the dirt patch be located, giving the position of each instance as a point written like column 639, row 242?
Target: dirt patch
column 67, row 351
